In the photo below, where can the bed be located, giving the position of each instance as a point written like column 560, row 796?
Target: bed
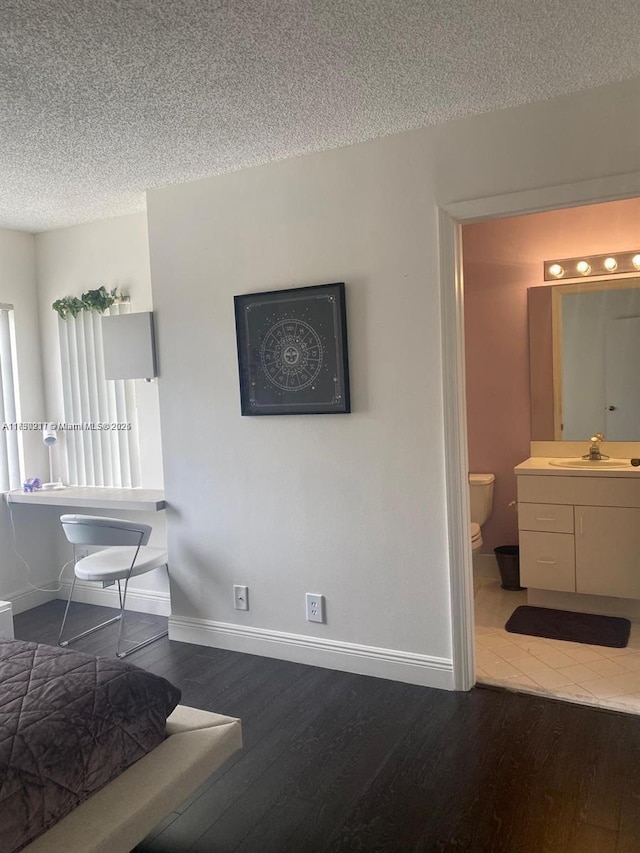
column 57, row 737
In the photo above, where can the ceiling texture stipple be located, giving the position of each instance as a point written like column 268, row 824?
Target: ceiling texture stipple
column 103, row 99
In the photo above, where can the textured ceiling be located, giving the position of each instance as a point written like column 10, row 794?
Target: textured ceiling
column 101, row 99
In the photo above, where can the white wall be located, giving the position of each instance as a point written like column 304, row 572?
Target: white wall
column 18, row 288
column 554, row 142
column 331, row 504
column 353, row 506
column 113, row 252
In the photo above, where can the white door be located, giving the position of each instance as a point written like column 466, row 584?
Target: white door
column 622, row 379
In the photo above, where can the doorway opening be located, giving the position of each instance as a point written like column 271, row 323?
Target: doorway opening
column 494, row 249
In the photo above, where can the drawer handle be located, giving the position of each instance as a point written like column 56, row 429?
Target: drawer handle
column 545, row 518
column 547, row 562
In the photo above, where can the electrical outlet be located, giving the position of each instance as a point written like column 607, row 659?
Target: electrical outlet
column 241, row 597
column 315, row 607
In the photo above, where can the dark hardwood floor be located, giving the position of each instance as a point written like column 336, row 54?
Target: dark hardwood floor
column 337, row 762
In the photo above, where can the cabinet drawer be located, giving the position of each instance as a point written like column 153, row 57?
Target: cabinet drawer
column 550, row 518
column 547, row 561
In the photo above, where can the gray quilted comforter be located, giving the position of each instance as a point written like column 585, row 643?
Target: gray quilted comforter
column 69, row 723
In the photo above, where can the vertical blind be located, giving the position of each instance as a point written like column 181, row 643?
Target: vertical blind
column 101, row 430
column 9, row 445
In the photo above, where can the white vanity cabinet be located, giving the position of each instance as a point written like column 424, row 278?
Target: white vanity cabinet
column 580, row 534
column 608, row 550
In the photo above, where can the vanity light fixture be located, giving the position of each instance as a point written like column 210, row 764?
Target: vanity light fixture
column 592, row 265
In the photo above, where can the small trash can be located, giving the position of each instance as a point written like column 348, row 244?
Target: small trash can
column 508, row 557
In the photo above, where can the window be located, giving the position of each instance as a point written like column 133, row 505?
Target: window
column 101, row 429
column 9, row 439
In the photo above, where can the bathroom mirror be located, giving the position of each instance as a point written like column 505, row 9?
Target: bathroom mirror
column 584, row 355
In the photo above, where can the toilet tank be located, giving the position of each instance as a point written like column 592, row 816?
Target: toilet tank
column 481, row 496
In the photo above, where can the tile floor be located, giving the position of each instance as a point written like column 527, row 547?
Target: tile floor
column 591, row 675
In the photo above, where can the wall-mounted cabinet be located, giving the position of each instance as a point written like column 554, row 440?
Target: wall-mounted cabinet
column 580, row 534
column 128, row 342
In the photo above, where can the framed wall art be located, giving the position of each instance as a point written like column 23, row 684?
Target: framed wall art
column 292, row 351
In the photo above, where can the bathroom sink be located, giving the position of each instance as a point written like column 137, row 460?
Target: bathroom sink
column 588, row 463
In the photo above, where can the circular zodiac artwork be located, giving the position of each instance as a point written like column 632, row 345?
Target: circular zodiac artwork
column 291, row 354
column 292, row 351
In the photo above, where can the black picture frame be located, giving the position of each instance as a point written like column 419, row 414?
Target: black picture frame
column 292, row 351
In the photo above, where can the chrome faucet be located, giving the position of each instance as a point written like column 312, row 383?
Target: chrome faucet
column 594, row 454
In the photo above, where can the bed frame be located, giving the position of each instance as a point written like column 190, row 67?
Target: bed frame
column 122, row 813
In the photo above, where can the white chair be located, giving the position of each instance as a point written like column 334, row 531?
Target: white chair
column 125, row 556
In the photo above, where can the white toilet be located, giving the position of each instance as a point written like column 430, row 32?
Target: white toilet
column 481, row 496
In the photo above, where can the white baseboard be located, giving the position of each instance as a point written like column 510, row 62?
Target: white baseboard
column 28, row 598
column 6, row 620
column 140, row 600
column 409, row 667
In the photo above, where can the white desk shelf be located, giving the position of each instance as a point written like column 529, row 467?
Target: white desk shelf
column 93, row 497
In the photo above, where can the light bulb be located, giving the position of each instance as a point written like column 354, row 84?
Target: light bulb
column 635, row 260
column 557, row 271
column 610, row 264
column 583, row 268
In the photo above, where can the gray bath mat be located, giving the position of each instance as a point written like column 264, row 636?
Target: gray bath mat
column 565, row 625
